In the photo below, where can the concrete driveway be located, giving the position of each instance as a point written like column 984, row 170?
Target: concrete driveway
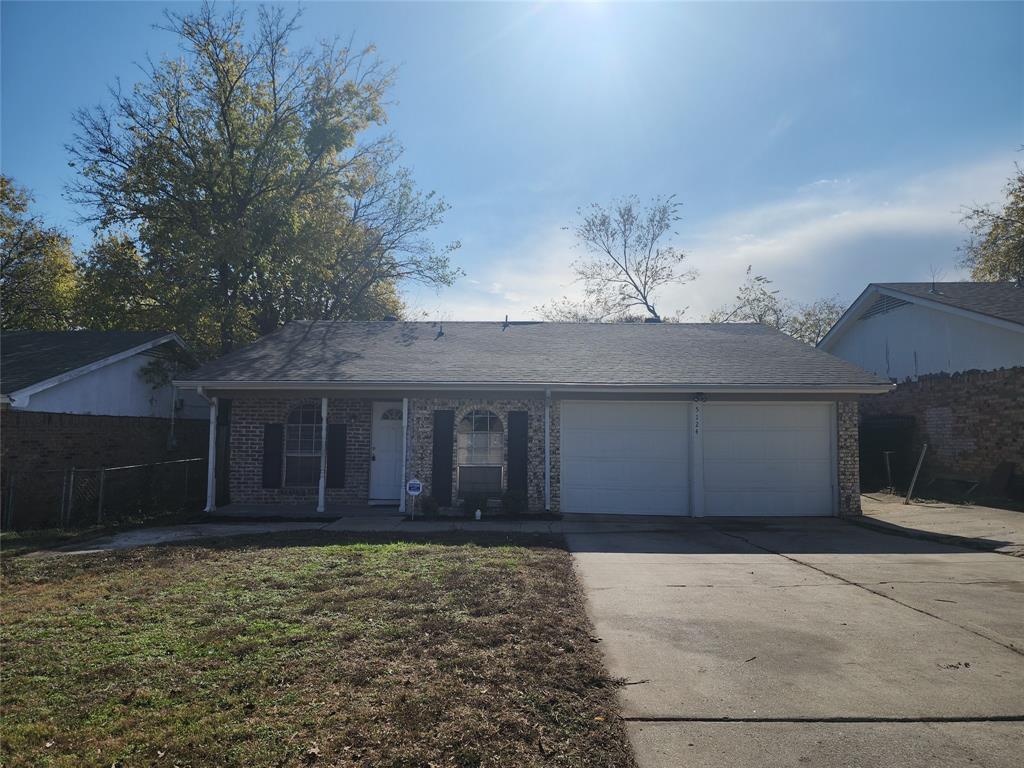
column 809, row 642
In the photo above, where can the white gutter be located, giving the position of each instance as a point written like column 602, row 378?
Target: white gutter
column 566, row 387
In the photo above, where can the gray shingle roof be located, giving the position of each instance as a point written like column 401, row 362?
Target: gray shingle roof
column 670, row 354
column 1001, row 300
column 28, row 357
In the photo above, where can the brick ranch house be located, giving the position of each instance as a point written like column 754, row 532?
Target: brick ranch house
column 660, row 419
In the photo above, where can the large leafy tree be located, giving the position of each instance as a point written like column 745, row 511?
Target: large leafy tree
column 628, row 260
column 255, row 183
column 995, row 250
column 37, row 273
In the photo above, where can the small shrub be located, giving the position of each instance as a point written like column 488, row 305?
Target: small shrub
column 429, row 506
column 513, row 503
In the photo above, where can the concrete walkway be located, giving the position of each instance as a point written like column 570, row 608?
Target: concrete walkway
column 987, row 528
column 385, row 522
column 809, row 642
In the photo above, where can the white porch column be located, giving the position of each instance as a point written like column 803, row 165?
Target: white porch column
column 547, row 450
column 405, row 447
column 322, row 497
column 211, row 461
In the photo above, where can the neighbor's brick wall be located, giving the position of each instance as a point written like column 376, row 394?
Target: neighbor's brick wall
column 420, row 449
column 972, row 421
column 847, row 442
column 37, row 448
column 34, row 441
column 248, row 415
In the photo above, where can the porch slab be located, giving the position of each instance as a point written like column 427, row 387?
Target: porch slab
column 306, row 512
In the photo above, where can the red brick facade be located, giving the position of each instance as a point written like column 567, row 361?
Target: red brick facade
column 971, row 421
column 248, row 415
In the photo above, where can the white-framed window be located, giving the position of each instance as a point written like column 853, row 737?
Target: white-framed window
column 479, row 440
column 391, row 414
column 302, row 447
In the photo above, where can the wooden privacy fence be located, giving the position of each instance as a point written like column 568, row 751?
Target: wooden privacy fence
column 82, row 497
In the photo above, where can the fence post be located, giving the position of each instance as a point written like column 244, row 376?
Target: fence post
column 71, row 497
column 63, row 498
column 188, row 466
column 99, row 506
column 10, row 502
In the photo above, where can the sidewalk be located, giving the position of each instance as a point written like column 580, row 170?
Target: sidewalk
column 987, row 528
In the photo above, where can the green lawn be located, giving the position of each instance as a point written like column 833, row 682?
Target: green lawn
column 300, row 649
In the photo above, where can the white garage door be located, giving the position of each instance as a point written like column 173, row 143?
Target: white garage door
column 768, row 459
column 625, row 458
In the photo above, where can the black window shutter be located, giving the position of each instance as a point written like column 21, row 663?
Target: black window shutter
column 273, row 445
column 444, row 436
column 336, row 448
column 517, row 449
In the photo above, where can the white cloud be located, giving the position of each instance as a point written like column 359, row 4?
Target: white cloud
column 830, row 236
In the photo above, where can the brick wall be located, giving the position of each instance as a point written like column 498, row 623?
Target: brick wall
column 37, row 448
column 848, row 458
column 420, row 450
column 971, row 421
column 34, row 441
column 248, row 415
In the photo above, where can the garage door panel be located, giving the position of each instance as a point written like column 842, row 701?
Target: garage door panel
column 625, row 458
column 739, row 444
column 611, row 473
column 768, row 459
column 769, row 476
column 625, row 443
column 599, row 415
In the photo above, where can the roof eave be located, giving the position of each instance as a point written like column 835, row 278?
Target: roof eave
column 532, row 386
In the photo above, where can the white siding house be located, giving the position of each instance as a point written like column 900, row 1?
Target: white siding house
column 906, row 330
column 92, row 373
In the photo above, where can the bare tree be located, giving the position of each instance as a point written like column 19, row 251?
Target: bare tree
column 628, row 260
column 758, row 302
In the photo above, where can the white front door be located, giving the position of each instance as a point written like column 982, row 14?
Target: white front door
column 386, row 452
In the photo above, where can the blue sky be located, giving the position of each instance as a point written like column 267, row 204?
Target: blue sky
column 829, row 145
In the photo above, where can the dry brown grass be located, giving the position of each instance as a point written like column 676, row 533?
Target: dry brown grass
column 309, row 651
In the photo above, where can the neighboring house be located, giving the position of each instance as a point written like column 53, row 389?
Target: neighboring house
column 906, row 330
column 957, row 353
column 88, row 399
column 645, row 419
column 94, row 373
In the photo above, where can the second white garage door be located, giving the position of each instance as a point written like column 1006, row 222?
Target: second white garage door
column 768, row 459
column 625, row 458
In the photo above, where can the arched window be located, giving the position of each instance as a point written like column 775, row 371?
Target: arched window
column 391, row 414
column 302, row 447
column 480, row 439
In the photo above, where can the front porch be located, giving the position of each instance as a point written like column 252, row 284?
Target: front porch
column 308, row 456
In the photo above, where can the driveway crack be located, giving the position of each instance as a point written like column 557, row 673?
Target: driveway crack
column 997, row 640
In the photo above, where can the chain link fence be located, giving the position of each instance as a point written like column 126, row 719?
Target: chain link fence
column 83, row 497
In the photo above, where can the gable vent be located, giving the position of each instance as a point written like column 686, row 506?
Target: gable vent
column 882, row 305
